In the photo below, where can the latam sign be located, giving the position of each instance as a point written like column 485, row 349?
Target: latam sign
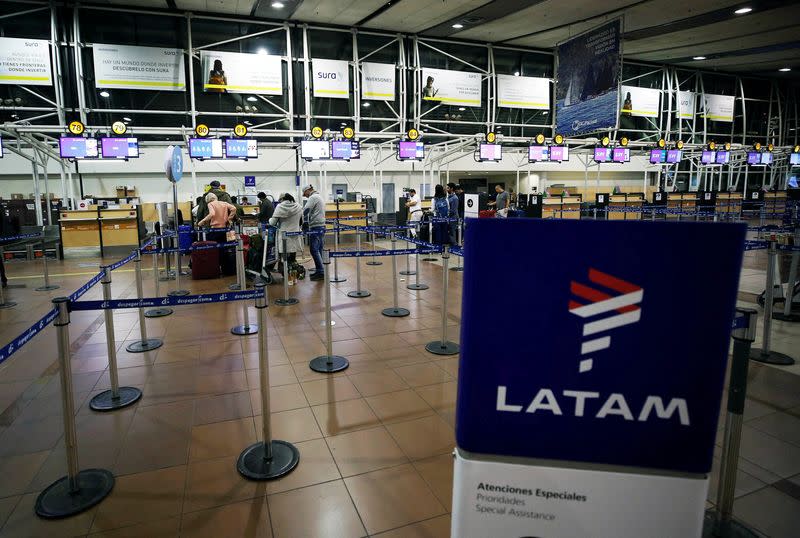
column 590, row 341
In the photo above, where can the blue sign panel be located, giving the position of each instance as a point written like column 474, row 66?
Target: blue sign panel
column 587, row 81
column 595, row 341
column 249, row 181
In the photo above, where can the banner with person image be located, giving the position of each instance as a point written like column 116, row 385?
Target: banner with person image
column 642, row 102
column 462, row 88
column 235, row 72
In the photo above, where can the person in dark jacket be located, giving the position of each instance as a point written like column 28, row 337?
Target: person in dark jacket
column 221, row 195
column 265, row 208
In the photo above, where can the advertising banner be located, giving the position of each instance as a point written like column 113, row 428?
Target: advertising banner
column 331, row 78
column 531, row 93
column 463, row 88
column 686, row 105
column 138, row 68
column 718, row 107
column 233, row 72
column 587, row 81
column 377, row 81
column 25, row 61
column 643, row 102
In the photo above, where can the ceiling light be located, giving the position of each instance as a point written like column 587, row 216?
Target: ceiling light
column 699, row 58
column 277, row 5
column 262, row 50
column 458, row 26
column 743, row 10
column 252, row 99
column 365, row 104
column 14, row 116
column 516, row 73
column 105, row 94
column 126, row 119
column 461, row 109
column 784, row 69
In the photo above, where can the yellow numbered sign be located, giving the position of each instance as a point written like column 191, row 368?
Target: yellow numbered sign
column 558, row 139
column 623, row 141
column 201, row 129
column 605, row 141
column 119, row 128
column 491, row 137
column 540, row 138
column 316, row 131
column 412, row 134
column 76, row 127
column 348, row 132
column 662, row 143
column 679, row 144
column 240, row 129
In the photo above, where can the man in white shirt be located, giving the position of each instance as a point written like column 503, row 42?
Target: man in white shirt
column 414, row 209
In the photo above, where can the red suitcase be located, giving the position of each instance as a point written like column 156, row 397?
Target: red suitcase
column 487, row 214
column 205, row 263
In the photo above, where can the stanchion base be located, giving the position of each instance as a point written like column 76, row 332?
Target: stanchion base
column 144, row 345
column 47, row 288
column 106, row 402
column 417, row 287
column 252, row 465
column 793, row 317
column 407, row 273
column 326, row 364
column 57, row 501
column 437, row 347
column 234, row 287
column 395, row 312
column 773, row 357
column 176, row 293
column 374, row 262
column 286, row 302
column 358, row 294
column 242, row 330
column 457, row 269
column 339, row 279
column 158, row 312
column 8, row 304
column 734, row 529
column 322, row 323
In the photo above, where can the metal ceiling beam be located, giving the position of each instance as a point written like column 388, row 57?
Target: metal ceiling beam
column 380, row 10
column 486, row 13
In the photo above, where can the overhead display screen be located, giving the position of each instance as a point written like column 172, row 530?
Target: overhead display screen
column 723, row 157
column 241, row 148
column 77, row 147
column 119, row 148
column 753, row 157
column 794, row 158
column 673, row 156
column 602, row 155
column 559, row 153
column 658, row 156
column 314, row 150
column 708, row 157
column 538, row 153
column 621, row 155
column 491, row 152
column 345, row 149
column 766, row 158
column 410, row 150
column 205, row 148
column 1, row 147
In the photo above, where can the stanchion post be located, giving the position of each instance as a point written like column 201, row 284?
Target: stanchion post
column 373, row 261
column 246, row 328
column 358, row 293
column 45, row 270
column 145, row 344
column 395, row 311
column 328, row 363
column 764, row 354
column 178, row 291
column 336, row 277
column 430, row 240
column 286, row 301
column 239, row 264
column 459, row 235
column 443, row 346
column 161, row 311
column 270, row 458
column 79, row 490
column 416, row 285
column 3, row 302
column 787, row 314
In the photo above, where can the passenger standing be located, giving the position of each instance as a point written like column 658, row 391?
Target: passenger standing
column 265, row 208
column 314, row 215
column 287, row 219
column 452, row 214
column 414, row 210
column 501, row 201
column 220, row 215
column 441, row 209
column 216, row 190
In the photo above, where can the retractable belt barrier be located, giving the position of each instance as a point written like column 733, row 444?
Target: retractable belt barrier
column 19, row 237
column 190, row 249
column 367, row 253
column 206, row 298
column 24, row 338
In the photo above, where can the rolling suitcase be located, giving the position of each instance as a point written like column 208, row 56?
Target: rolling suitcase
column 205, row 263
column 228, row 260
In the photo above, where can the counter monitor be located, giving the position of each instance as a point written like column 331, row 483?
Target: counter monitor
column 491, row 152
column 241, row 148
column 794, row 158
column 410, row 150
column 602, row 155
column 1, row 147
column 205, row 148
column 345, row 149
column 538, row 153
column 766, row 158
column 708, row 157
column 753, row 157
column 658, row 156
column 119, row 148
column 723, row 157
column 674, row 156
column 559, row 154
column 621, row 155
column 77, row 147
column 313, row 150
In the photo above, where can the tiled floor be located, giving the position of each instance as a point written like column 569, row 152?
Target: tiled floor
column 375, row 440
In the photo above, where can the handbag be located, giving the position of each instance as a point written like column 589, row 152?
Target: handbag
column 230, row 235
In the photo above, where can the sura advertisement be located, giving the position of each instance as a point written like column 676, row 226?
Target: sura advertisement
column 234, row 72
column 448, row 87
column 25, row 61
column 532, row 93
column 587, row 81
column 138, row 68
column 642, row 102
column 331, row 78
column 377, row 81
column 718, row 107
column 686, row 105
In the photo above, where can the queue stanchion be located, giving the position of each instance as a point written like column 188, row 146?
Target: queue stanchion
column 246, row 328
column 430, row 240
column 787, row 314
column 719, row 521
column 178, row 291
column 416, row 285
column 328, row 363
column 765, row 354
column 358, row 293
column 336, row 277
column 374, row 261
column 117, row 397
column 395, row 311
column 239, row 264
column 269, row 458
column 145, row 344
column 459, row 241
column 45, row 271
column 286, row 301
column 3, row 302
column 443, row 346
column 79, row 490
column 159, row 312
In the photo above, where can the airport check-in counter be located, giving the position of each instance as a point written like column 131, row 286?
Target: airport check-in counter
column 566, row 207
column 686, row 202
column 346, row 210
column 100, row 228
column 633, row 201
column 728, row 203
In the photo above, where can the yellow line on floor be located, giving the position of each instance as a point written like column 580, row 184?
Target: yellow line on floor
column 69, row 274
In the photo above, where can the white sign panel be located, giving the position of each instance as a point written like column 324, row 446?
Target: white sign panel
column 377, row 81
column 331, row 78
column 531, row 93
column 233, row 72
column 686, row 105
column 509, row 500
column 635, row 101
column 138, row 68
column 25, row 61
column 471, row 206
column 462, row 88
column 718, row 107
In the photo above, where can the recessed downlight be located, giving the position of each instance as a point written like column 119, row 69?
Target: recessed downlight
column 698, row 58
column 126, row 119
column 458, row 26
column 784, row 69
column 277, row 5
column 252, row 98
column 743, row 10
column 105, row 94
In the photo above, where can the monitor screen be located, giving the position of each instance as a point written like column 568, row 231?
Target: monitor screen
column 241, row 148
column 205, row 148
column 753, row 157
column 794, row 158
column 723, row 157
column 658, row 156
column 602, row 155
column 76, row 147
column 621, row 155
column 315, row 149
column 345, row 149
column 1, row 147
column 491, row 152
column 410, row 150
column 559, row 153
column 708, row 156
column 766, row 158
column 119, row 148
column 538, row 153
column 792, row 182
column 673, row 156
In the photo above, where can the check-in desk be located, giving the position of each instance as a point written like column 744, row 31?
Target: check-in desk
column 775, row 204
column 562, row 207
column 347, row 210
column 633, row 202
column 101, row 228
column 728, row 203
column 685, row 202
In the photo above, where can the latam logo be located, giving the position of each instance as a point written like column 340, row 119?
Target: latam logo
column 618, row 302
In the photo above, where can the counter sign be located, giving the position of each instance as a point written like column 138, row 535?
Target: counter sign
column 76, row 127
column 240, row 130
column 119, row 128
column 201, row 130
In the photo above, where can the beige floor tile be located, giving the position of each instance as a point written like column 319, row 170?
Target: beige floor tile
column 247, row 519
column 438, row 474
column 18, row 472
column 423, row 437
column 399, row 406
column 220, row 439
column 320, row 511
column 440, row 397
column 372, row 383
column 438, row 527
column 223, row 407
column 216, row 482
column 365, row 450
column 332, row 389
column 222, row 383
column 392, row 498
column 281, row 398
column 342, row 417
column 315, row 467
column 165, row 528
column 23, row 522
column 294, row 426
column 418, row 375
column 7, row 505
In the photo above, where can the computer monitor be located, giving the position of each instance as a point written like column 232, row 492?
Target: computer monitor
column 602, row 155
column 491, row 152
column 766, row 157
column 1, row 147
column 410, row 150
column 205, row 148
column 314, row 150
column 708, row 157
column 723, row 157
column 792, row 183
column 621, row 155
column 794, row 158
column 753, row 157
column 674, row 156
column 77, row 147
column 538, row 153
column 119, row 148
column 241, row 148
column 345, row 149
column 658, row 156
column 559, row 154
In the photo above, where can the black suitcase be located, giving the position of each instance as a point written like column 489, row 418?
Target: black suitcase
column 228, row 261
